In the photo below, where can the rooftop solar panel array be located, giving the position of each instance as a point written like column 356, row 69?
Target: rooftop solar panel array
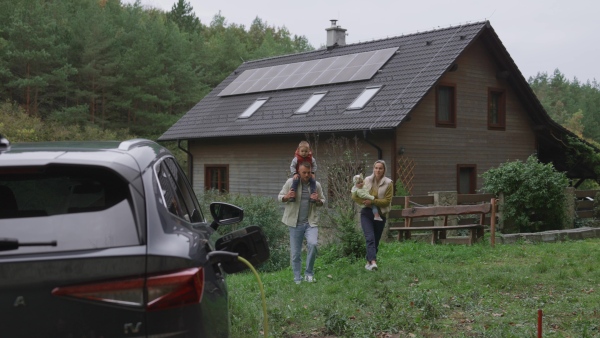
column 345, row 68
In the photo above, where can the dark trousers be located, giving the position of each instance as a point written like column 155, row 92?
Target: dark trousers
column 311, row 181
column 372, row 230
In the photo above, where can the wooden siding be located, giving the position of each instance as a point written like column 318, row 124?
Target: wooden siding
column 260, row 165
column 437, row 151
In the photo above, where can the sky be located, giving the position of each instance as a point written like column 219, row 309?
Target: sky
column 540, row 35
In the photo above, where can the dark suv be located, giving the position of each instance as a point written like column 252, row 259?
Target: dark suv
column 107, row 239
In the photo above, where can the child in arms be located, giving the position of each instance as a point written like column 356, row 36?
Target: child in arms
column 363, row 192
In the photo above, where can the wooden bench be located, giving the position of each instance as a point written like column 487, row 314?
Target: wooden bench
column 438, row 232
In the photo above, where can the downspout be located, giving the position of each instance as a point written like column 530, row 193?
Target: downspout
column 190, row 162
column 379, row 152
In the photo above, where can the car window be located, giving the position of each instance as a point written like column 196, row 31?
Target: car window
column 81, row 207
column 178, row 196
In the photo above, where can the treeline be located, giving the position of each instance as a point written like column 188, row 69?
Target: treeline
column 120, row 66
column 572, row 104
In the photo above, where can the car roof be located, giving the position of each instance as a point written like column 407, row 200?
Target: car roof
column 129, row 158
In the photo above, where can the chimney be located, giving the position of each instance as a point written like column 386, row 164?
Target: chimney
column 336, row 35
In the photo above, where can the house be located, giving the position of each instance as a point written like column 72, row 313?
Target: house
column 445, row 105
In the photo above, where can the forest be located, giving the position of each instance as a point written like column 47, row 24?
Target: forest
column 83, row 69
column 122, row 67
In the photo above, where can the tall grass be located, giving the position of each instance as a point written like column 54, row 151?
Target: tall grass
column 424, row 290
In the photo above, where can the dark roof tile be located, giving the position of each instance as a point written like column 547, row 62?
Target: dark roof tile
column 405, row 78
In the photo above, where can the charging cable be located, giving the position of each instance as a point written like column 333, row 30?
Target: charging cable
column 262, row 295
column 226, row 256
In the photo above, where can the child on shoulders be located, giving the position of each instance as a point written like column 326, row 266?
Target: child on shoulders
column 303, row 154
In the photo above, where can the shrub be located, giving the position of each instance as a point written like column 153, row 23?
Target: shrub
column 343, row 158
column 18, row 126
column 534, row 197
column 258, row 210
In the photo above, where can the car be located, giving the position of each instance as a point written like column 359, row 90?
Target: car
column 107, row 239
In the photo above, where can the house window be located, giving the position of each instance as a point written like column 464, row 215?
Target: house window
column 466, row 180
column 311, row 102
column 361, row 101
column 496, row 109
column 216, row 177
column 445, row 106
column 253, row 107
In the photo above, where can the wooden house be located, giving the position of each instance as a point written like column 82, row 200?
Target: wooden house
column 446, row 105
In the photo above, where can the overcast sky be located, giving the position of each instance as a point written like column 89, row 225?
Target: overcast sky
column 540, row 35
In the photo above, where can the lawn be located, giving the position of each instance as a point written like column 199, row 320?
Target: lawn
column 424, row 290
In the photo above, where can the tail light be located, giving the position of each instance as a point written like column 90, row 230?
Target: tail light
column 163, row 291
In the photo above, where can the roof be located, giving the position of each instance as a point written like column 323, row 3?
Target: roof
column 421, row 59
column 419, row 62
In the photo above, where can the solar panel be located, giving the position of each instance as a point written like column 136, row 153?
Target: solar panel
column 338, row 69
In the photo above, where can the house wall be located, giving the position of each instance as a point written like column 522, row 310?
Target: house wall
column 260, row 165
column 436, row 151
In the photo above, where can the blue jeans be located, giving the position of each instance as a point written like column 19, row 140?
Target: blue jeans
column 297, row 235
column 372, row 230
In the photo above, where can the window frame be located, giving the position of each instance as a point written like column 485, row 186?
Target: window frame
column 451, row 122
column 311, row 102
column 173, row 182
column 501, row 118
column 208, row 177
column 256, row 105
column 363, row 97
column 472, row 178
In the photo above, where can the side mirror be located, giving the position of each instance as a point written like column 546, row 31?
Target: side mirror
column 224, row 214
column 249, row 243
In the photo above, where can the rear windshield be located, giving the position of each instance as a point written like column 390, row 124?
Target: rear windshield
column 81, row 207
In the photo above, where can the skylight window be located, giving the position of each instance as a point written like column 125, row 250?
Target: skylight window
column 361, row 101
column 253, row 107
column 311, row 102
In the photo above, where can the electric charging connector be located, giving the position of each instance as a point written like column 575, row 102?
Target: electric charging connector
column 226, row 256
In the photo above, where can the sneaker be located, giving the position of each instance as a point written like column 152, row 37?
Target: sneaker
column 310, row 279
column 297, row 281
column 373, row 267
column 378, row 218
column 368, row 266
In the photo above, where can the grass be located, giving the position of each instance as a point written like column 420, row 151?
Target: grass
column 422, row 290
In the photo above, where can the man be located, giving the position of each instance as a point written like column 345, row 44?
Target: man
column 301, row 218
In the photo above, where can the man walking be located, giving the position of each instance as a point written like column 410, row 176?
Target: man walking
column 301, row 218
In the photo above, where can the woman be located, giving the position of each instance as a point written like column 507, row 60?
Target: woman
column 382, row 189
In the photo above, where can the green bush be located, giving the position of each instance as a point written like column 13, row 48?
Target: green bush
column 18, row 126
column 534, row 197
column 262, row 211
column 350, row 243
column 342, row 159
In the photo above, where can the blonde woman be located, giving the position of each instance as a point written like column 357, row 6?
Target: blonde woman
column 382, row 189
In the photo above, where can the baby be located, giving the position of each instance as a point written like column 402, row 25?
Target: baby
column 363, row 192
